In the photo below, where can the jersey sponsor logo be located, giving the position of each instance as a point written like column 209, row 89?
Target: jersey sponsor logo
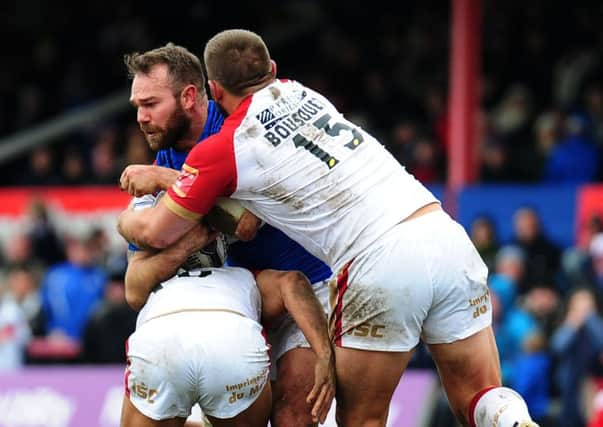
column 250, row 387
column 265, row 116
column 480, row 304
column 185, row 180
column 283, row 126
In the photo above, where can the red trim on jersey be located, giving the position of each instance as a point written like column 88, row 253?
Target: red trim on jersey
column 473, row 404
column 342, row 286
column 265, row 335
column 127, row 373
column 214, row 165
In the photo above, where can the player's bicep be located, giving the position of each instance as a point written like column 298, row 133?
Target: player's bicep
column 269, row 282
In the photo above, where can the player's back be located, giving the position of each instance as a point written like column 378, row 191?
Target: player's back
column 271, row 249
column 325, row 182
column 229, row 289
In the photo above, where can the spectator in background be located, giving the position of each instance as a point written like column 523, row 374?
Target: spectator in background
column 110, row 325
column 593, row 108
column 510, row 263
column 596, row 262
column 546, row 131
column 512, row 325
column 71, row 290
column 511, row 124
column 18, row 249
column 45, row 244
column 577, row 261
column 483, row 236
column 402, row 142
column 575, row 158
column 106, row 168
column 14, row 334
column 73, row 169
column 494, row 160
column 425, row 165
column 41, row 170
column 577, row 343
column 542, row 255
column 22, row 289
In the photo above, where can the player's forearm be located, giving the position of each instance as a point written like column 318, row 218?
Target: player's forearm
column 147, row 269
column 136, row 227
column 301, row 303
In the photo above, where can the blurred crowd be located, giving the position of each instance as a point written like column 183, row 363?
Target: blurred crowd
column 541, row 120
column 541, row 92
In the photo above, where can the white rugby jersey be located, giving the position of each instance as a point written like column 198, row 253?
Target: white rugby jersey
column 293, row 160
column 231, row 289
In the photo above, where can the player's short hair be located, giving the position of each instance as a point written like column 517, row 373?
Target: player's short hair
column 238, row 60
column 183, row 66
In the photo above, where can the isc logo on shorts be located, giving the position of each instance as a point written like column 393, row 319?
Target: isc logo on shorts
column 141, row 390
column 367, row 330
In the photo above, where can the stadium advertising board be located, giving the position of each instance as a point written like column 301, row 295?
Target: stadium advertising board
column 92, row 396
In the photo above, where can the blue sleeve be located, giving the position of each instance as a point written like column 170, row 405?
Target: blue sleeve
column 594, row 327
column 563, row 338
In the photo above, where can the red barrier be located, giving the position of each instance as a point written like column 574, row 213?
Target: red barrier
column 15, row 201
column 590, row 204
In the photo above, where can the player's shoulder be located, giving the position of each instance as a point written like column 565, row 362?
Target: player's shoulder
column 212, row 147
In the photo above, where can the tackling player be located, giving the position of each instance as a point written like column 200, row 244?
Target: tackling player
column 174, row 113
column 222, row 362
column 406, row 270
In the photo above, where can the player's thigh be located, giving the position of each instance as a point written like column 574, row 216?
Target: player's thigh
column 294, row 380
column 256, row 415
column 466, row 367
column 295, row 372
column 132, row 417
column 366, row 381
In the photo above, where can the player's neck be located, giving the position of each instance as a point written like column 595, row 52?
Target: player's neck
column 190, row 139
column 231, row 102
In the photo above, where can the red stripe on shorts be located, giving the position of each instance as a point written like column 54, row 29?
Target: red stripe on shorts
column 127, row 374
column 342, row 286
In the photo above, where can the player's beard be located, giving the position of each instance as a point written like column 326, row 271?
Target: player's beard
column 177, row 126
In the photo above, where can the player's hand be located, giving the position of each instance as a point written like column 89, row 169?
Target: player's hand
column 248, row 226
column 139, row 180
column 322, row 393
column 196, row 238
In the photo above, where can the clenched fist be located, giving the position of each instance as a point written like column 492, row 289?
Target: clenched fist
column 139, row 180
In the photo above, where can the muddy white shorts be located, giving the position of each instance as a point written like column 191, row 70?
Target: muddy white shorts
column 422, row 280
column 285, row 335
column 214, row 358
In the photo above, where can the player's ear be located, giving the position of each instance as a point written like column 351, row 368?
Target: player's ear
column 188, row 96
column 273, row 67
column 216, row 90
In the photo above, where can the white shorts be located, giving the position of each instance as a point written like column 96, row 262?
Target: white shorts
column 217, row 359
column 286, row 335
column 423, row 280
